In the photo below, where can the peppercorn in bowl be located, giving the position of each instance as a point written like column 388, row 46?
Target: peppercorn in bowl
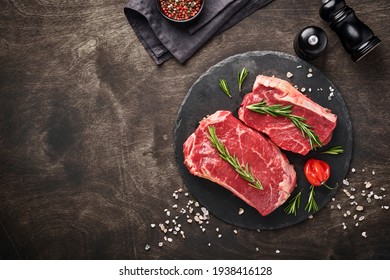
column 180, row 10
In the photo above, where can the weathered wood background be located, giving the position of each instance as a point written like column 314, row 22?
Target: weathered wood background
column 86, row 137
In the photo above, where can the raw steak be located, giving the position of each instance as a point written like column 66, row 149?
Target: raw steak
column 280, row 129
column 267, row 162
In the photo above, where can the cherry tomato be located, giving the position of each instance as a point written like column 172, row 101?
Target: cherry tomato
column 317, row 172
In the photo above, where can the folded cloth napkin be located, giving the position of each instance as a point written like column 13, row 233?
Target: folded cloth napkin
column 164, row 40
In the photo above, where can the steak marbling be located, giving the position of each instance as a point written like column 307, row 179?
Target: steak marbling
column 265, row 159
column 280, row 129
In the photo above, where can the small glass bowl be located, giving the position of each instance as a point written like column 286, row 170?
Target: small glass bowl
column 180, row 20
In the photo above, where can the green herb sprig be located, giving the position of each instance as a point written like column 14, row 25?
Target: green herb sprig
column 295, row 202
column 241, row 77
column 336, row 150
column 225, row 87
column 245, row 173
column 293, row 205
column 311, row 205
column 278, row 110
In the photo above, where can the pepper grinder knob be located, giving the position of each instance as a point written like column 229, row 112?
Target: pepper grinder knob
column 310, row 42
column 356, row 37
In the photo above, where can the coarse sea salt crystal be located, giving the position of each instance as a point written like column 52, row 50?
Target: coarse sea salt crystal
column 147, row 247
column 345, row 182
column 205, row 211
column 289, row 75
column 359, row 208
column 367, row 185
column 364, row 234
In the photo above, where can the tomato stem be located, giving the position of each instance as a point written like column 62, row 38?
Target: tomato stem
column 329, row 188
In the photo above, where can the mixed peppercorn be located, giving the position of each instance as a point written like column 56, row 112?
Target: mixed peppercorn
column 180, row 10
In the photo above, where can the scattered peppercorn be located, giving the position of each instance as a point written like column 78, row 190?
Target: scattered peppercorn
column 180, row 10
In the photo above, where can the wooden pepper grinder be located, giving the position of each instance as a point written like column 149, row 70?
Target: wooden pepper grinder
column 356, row 37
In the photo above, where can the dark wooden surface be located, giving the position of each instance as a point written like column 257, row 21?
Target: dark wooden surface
column 86, row 137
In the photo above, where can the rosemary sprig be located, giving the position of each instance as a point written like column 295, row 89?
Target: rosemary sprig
column 241, row 77
column 277, row 110
column 225, row 87
column 293, row 205
column 245, row 173
column 311, row 205
column 307, row 131
column 336, row 150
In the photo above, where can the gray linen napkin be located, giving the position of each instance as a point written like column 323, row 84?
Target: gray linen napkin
column 164, row 39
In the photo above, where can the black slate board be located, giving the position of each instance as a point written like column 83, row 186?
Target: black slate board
column 205, row 97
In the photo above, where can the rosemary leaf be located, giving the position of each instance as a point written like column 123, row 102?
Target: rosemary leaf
column 336, row 150
column 245, row 173
column 293, row 205
column 225, row 87
column 311, row 205
column 277, row 110
column 241, row 77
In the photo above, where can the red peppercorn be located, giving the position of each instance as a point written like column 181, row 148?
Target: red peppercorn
column 180, row 9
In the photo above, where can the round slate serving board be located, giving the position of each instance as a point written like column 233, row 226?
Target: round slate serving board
column 205, row 97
